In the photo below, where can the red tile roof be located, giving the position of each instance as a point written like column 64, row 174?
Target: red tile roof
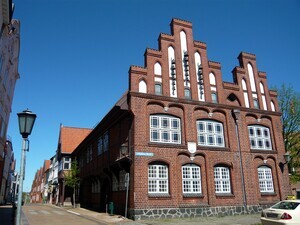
column 71, row 137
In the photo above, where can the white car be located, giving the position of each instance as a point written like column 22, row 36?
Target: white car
column 284, row 213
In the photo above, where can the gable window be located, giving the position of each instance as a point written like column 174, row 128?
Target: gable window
column 165, row 129
column 191, row 179
column 259, row 137
column 265, row 179
column 158, row 179
column 222, row 180
column 158, row 89
column 210, row 133
column 67, row 163
column 187, row 93
column 214, row 97
column 255, row 103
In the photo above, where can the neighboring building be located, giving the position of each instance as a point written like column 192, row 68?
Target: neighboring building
column 46, row 185
column 69, row 138
column 36, row 195
column 9, row 59
column 53, row 192
column 8, row 173
column 190, row 143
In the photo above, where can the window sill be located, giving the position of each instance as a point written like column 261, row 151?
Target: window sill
column 158, row 195
column 225, row 195
column 212, row 148
column 268, row 194
column 268, row 151
column 186, row 195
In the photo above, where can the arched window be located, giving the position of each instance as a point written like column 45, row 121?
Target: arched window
column 246, row 99
column 222, row 180
column 142, row 87
column 212, row 79
column 210, row 133
column 157, row 69
column 158, row 179
column 259, row 137
column 273, row 106
column 251, row 77
column 165, row 129
column 191, row 179
column 265, row 179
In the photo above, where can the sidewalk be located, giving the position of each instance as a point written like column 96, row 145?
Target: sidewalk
column 252, row 219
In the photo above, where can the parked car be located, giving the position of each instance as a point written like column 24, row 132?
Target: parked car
column 284, row 213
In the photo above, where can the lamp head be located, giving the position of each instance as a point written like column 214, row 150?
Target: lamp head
column 26, row 122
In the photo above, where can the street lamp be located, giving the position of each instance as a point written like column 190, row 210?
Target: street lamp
column 26, row 122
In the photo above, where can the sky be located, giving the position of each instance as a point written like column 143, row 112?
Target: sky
column 75, row 55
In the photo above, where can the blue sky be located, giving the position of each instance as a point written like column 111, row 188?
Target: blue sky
column 75, row 54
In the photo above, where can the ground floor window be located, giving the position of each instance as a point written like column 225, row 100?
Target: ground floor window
column 158, row 179
column 191, row 179
column 265, row 179
column 222, row 180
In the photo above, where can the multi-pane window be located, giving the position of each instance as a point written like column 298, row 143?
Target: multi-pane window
column 210, row 133
column 165, row 129
column 158, row 182
column 191, row 179
column 222, row 180
column 259, row 137
column 67, row 163
column 265, row 179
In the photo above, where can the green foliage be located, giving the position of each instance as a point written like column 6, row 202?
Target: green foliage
column 71, row 177
column 289, row 104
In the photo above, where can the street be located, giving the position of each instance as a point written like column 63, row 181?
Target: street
column 49, row 215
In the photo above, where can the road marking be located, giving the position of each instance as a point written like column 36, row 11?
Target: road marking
column 73, row 212
column 32, row 212
column 58, row 212
column 45, row 212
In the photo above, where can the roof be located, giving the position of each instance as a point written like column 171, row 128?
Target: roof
column 71, row 137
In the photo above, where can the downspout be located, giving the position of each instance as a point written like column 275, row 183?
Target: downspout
column 236, row 115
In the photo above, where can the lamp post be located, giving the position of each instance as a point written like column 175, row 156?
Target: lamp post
column 26, row 122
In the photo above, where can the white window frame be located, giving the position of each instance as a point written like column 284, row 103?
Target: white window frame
column 158, row 179
column 164, row 131
column 265, row 179
column 67, row 161
column 211, row 134
column 259, row 137
column 222, row 180
column 191, row 179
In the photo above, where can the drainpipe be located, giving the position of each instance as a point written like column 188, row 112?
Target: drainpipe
column 236, row 115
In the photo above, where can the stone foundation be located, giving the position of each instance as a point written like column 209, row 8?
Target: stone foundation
column 162, row 213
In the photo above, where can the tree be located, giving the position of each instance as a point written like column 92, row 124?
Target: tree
column 289, row 104
column 72, row 179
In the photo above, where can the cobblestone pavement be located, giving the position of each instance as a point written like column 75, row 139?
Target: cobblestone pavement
column 253, row 219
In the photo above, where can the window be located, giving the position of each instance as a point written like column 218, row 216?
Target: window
column 210, row 133
column 255, row 103
column 187, row 93
column 214, row 97
column 100, row 146
column 265, row 179
column 67, row 163
column 191, row 179
column 222, row 180
column 158, row 182
column 158, row 89
column 165, row 129
column 105, row 142
column 259, row 137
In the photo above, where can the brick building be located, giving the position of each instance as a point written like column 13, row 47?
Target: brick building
column 190, row 143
